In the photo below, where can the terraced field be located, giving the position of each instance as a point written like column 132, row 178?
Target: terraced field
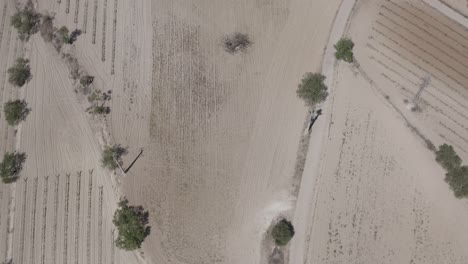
column 410, row 41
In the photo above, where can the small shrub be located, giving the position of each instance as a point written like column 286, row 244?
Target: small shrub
column 62, row 34
column 344, row 50
column 25, row 21
column 312, row 89
column 131, row 223
column 74, row 35
column 448, row 158
column 236, row 42
column 282, row 232
column 458, row 181
column 15, row 111
column 112, row 156
column 11, row 166
column 86, row 80
column 100, row 110
column 20, row 73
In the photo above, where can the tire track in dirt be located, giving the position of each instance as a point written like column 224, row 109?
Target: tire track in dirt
column 65, row 217
column 23, row 220
column 33, row 222
column 77, row 11
column 88, row 227
column 54, row 229
column 67, row 6
column 85, row 17
column 77, row 217
column 93, row 41
column 101, row 197
column 104, row 22
column 44, row 218
column 2, row 24
column 114, row 36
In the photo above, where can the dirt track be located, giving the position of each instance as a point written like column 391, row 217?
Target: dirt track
column 379, row 196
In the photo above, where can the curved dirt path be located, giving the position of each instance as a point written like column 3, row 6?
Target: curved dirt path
column 304, row 206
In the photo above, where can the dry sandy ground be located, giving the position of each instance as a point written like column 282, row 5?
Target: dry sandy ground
column 460, row 6
column 60, row 215
column 378, row 195
column 225, row 128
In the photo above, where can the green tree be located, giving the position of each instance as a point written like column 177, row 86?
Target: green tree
column 20, row 73
column 15, row 111
column 112, row 156
column 344, row 50
column 457, row 178
column 282, row 232
column 25, row 21
column 448, row 158
column 131, row 223
column 100, row 110
column 11, row 166
column 86, row 80
column 312, row 89
column 62, row 34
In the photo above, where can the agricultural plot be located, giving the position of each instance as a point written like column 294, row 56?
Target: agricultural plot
column 409, row 42
column 49, row 220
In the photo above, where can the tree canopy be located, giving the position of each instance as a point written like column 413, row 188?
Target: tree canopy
column 312, row 89
column 131, row 223
column 282, row 232
column 19, row 73
column 15, row 111
column 344, row 50
column 457, row 178
column 25, row 21
column 112, row 156
column 11, row 166
column 447, row 157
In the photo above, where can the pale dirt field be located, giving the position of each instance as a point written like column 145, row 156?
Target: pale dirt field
column 378, row 195
column 60, row 218
column 460, row 6
column 225, row 128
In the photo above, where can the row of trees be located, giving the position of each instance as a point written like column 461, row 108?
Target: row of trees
column 457, row 175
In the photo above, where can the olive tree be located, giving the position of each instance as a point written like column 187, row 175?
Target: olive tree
column 11, row 166
column 25, row 21
column 447, row 157
column 344, row 50
column 132, row 226
column 312, row 89
column 15, row 111
column 19, row 73
column 112, row 156
column 282, row 232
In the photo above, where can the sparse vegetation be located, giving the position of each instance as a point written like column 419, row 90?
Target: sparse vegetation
column 11, row 166
column 112, row 156
column 62, row 34
column 86, row 80
column 15, row 111
column 20, row 73
column 344, row 50
column 132, row 226
column 312, row 89
column 282, row 232
column 25, row 21
column 236, row 42
column 457, row 175
column 100, row 110
column 457, row 178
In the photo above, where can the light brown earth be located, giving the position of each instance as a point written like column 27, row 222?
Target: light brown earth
column 378, row 196
column 220, row 133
